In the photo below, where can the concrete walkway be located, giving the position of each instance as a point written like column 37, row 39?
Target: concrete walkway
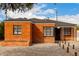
column 36, row 50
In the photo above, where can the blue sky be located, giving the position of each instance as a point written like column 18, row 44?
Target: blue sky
column 68, row 12
column 64, row 8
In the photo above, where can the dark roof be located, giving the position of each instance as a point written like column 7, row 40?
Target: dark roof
column 17, row 19
column 59, row 23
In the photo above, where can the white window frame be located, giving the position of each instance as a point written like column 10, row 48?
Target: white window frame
column 48, row 31
column 67, row 31
column 17, row 30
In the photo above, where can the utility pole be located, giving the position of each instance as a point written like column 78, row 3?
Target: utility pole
column 56, row 14
column 56, row 18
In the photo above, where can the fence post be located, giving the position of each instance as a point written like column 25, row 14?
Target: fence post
column 63, row 46
column 68, row 44
column 67, row 49
column 73, row 46
column 65, row 42
column 59, row 43
column 75, row 53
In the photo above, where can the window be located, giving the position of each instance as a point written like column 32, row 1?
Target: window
column 48, row 31
column 16, row 29
column 67, row 31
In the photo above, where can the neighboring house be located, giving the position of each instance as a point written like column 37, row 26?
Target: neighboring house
column 25, row 32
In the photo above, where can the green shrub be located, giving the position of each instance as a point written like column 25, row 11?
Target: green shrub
column 2, row 30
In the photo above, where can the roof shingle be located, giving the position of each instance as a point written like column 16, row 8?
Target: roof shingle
column 59, row 23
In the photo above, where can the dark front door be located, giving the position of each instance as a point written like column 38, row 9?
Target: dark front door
column 57, row 34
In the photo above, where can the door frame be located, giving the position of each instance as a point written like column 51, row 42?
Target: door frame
column 59, row 34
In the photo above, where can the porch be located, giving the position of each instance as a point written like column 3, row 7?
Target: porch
column 65, row 34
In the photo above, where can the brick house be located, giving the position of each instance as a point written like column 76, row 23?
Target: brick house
column 25, row 32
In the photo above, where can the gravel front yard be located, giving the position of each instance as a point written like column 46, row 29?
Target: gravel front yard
column 39, row 50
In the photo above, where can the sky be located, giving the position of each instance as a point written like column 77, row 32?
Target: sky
column 66, row 12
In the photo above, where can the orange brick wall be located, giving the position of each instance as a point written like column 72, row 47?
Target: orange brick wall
column 37, row 30
column 26, row 31
column 14, row 43
column 31, row 33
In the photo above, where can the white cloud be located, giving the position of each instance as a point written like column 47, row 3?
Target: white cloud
column 69, row 18
column 49, row 11
column 46, row 12
column 36, row 12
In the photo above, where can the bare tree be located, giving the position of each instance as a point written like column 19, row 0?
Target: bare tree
column 15, row 6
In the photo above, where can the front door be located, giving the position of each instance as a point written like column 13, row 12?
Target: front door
column 57, row 34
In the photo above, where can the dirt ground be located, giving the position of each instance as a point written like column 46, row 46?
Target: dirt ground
column 52, row 49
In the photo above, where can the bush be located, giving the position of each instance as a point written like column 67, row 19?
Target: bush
column 2, row 30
